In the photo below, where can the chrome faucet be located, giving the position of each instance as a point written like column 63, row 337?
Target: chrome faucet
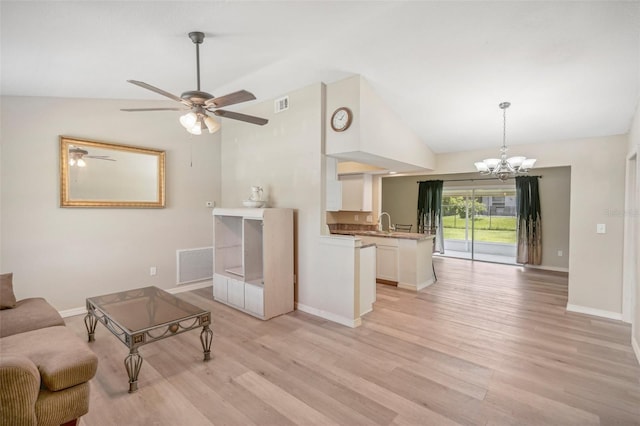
column 380, row 228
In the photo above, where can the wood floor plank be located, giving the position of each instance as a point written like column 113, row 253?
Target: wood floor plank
column 282, row 401
column 487, row 344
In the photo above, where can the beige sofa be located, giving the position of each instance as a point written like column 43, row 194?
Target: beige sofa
column 44, row 367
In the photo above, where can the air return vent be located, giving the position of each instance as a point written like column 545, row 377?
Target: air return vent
column 194, row 265
column 281, row 104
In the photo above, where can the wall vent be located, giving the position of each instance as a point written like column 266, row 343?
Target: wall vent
column 194, row 265
column 281, row 104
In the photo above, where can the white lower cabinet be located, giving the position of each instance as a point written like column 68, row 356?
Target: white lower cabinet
column 220, row 287
column 235, row 290
column 386, row 257
column 387, row 263
column 254, row 299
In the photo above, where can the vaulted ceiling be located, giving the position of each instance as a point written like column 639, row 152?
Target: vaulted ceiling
column 570, row 69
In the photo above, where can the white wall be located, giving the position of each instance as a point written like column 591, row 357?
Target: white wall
column 597, row 191
column 68, row 254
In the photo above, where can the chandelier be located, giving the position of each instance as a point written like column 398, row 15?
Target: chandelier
column 504, row 168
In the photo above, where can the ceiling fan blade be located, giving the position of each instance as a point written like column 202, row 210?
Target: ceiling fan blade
column 230, row 99
column 153, row 109
column 242, row 117
column 159, row 91
column 99, row 157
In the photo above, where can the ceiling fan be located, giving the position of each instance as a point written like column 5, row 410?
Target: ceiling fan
column 77, row 156
column 199, row 103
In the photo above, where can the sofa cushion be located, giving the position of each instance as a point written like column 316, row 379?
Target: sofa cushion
column 29, row 314
column 63, row 359
column 7, row 298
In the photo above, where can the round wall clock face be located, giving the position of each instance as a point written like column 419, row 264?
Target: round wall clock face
column 341, row 119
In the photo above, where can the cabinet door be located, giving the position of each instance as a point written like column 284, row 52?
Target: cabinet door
column 254, row 299
column 220, row 287
column 236, row 292
column 387, row 263
column 356, row 192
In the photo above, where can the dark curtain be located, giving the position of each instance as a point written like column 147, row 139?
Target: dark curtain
column 529, row 229
column 430, row 211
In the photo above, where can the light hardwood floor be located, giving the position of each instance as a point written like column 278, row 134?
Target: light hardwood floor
column 487, row 344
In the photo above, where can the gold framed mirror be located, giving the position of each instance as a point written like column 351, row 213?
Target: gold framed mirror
column 100, row 174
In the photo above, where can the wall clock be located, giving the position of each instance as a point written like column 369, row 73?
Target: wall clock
column 341, row 119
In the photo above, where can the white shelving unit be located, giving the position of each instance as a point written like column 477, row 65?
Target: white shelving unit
column 253, row 260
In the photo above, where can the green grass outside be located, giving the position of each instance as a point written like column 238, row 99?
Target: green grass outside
column 482, row 235
column 501, row 223
column 498, row 229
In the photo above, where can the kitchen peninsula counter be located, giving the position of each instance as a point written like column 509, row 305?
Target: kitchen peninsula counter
column 401, row 257
column 383, row 234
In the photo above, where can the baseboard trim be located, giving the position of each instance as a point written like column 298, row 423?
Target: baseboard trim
column 189, row 287
column 547, row 268
column 195, row 286
column 73, row 312
column 595, row 312
column 636, row 348
column 353, row 323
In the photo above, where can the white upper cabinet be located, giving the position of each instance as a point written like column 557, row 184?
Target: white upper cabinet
column 357, row 192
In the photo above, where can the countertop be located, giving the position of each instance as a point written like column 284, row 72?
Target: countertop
column 384, row 234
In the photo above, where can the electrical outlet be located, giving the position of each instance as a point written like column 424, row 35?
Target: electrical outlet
column 356, row 217
column 369, row 218
column 153, row 271
column 601, row 228
column 559, row 253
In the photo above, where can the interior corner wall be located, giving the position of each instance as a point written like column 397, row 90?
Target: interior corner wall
column 68, row 254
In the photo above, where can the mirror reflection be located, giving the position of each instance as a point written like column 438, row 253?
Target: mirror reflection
column 98, row 174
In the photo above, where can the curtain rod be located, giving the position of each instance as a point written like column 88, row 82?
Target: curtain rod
column 468, row 180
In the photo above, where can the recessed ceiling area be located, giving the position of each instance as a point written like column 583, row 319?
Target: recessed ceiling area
column 570, row 69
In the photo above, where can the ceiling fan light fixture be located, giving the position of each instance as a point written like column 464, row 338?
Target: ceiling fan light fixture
column 188, row 120
column 196, row 129
column 211, row 124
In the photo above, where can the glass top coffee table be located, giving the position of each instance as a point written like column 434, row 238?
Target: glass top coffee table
column 145, row 315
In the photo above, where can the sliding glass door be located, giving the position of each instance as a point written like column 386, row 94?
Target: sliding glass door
column 480, row 223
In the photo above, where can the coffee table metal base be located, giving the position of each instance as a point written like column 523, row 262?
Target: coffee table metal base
column 97, row 311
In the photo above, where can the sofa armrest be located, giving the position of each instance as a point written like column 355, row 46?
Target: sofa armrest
column 20, row 384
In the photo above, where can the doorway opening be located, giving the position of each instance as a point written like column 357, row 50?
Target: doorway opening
column 480, row 223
